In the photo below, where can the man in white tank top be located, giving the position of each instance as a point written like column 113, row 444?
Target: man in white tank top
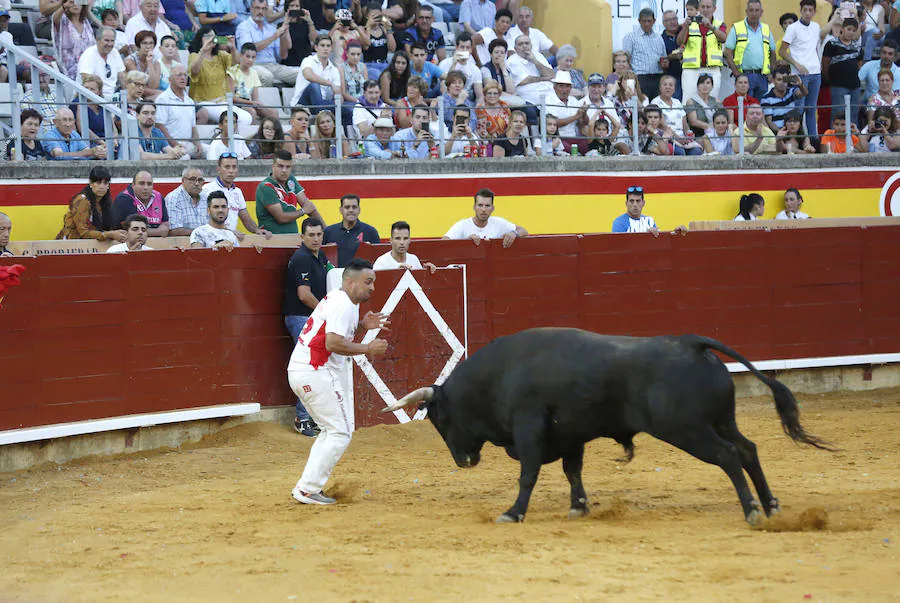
column 315, row 368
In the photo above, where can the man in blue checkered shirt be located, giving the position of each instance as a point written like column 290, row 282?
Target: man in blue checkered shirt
column 648, row 53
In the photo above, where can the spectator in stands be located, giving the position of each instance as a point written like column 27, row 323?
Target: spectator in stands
column 841, row 61
column 153, row 143
column 674, row 50
column 394, row 79
column 565, row 61
column 497, row 68
column 792, row 202
column 531, row 74
column 554, row 142
column 750, row 50
column 272, row 45
column 177, row 116
column 140, row 198
column 493, row 118
column 462, row 133
column 758, row 138
column 96, row 124
column 886, row 96
column 800, row 49
column 432, row 40
column 791, row 139
column 110, row 18
column 872, row 25
column 181, row 15
column 142, row 61
column 869, row 74
column 350, row 231
column 72, row 35
column 784, row 21
column 135, row 85
column 103, row 60
column 149, row 18
column 741, row 89
column 399, row 257
column 475, row 15
column 268, row 139
column 721, row 138
column 209, row 74
column 416, row 89
column 498, row 31
column 516, row 143
column 416, row 140
column 304, row 287
column 280, row 200
column 834, row 140
column 6, row 36
column 599, row 105
column 462, row 61
column 214, row 234
column 602, row 141
column 483, row 225
column 298, row 142
column 634, row 220
column 354, row 76
column 244, row 82
column 227, row 172
column 319, row 80
column 32, row 150
column 456, row 96
column 539, row 40
column 429, row 72
column 63, row 143
column 621, row 66
column 702, row 40
column 42, row 98
column 571, row 113
column 44, row 28
column 369, row 108
column 325, row 144
column 647, row 51
column 752, row 207
column 628, row 88
column 302, row 32
column 650, row 142
column 168, row 49
column 785, row 96
column 217, row 14
column 884, row 136
column 5, row 232
column 381, row 145
column 666, row 138
column 672, row 110
column 90, row 214
column 136, row 227
column 344, row 31
column 382, row 40
column 185, row 205
column 219, row 144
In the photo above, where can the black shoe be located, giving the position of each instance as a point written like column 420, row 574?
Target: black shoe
column 306, row 427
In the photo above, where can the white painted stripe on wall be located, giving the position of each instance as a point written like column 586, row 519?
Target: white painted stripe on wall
column 802, row 363
column 62, row 430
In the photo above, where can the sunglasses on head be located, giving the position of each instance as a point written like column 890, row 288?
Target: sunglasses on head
column 635, row 189
column 228, row 155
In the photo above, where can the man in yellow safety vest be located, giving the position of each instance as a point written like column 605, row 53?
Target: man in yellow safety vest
column 750, row 49
column 702, row 36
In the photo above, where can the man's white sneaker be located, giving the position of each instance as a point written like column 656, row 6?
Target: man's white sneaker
column 311, row 498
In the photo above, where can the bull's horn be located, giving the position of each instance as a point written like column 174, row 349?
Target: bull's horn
column 423, row 393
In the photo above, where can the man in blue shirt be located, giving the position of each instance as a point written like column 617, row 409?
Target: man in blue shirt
column 218, row 14
column 272, row 45
column 475, row 15
column 350, row 231
column 379, row 145
column 431, row 73
column 63, row 143
column 868, row 73
column 416, row 140
column 154, row 145
column 422, row 32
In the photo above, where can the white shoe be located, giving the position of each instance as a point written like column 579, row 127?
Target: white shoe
column 308, row 498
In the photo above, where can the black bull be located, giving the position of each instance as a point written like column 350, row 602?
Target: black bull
column 542, row 393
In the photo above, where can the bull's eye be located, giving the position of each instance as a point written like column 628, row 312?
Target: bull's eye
column 421, row 405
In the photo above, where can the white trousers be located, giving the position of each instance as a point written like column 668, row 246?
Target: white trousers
column 323, row 397
column 689, row 79
column 270, row 73
column 215, row 110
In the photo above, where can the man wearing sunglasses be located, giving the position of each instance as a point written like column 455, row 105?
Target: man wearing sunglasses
column 634, row 220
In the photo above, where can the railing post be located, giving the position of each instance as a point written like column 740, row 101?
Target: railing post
column 635, row 126
column 442, row 129
column 126, row 135
column 848, row 135
column 339, row 129
column 108, row 129
column 542, row 126
column 740, row 116
column 16, row 101
column 229, row 125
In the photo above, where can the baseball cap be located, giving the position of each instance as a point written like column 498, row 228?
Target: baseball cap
column 383, row 122
column 596, row 78
column 343, row 14
column 4, row 13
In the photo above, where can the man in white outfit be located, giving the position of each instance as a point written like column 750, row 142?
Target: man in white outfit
column 485, row 226
column 399, row 256
column 315, row 369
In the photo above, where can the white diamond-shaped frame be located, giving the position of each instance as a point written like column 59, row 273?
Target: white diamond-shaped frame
column 408, row 283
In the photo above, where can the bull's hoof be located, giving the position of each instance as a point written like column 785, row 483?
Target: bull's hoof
column 755, row 517
column 774, row 507
column 509, row 519
column 578, row 513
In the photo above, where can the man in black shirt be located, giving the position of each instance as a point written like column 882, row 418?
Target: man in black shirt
column 304, row 287
column 350, row 232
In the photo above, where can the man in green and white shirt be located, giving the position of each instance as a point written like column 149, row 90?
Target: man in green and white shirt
column 280, row 199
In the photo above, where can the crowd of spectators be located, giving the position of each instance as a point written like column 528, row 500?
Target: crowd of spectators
column 368, row 61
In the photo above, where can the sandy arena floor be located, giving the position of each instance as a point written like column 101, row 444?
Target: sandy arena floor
column 214, row 521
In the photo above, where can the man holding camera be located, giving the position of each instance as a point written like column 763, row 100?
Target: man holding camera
column 462, row 60
column 416, row 140
column 784, row 97
column 702, row 36
column 272, row 45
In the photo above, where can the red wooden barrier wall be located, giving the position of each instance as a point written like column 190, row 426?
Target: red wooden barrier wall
column 97, row 336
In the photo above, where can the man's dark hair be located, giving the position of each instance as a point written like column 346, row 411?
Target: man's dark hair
column 282, row 155
column 371, row 84
column 693, row 3
column 786, row 16
column 310, row 223
column 400, row 225
column 143, row 104
column 248, row 46
column 425, row 8
column 462, row 109
column 892, row 44
column 350, row 196
column 652, row 109
column 495, row 43
column 646, row 12
column 782, row 68
column 503, row 12
column 419, row 45
column 420, row 108
column 356, row 265
column 463, row 37
column 850, row 22
column 28, row 114
column 486, row 193
column 215, row 195
column 322, row 38
column 126, row 223
column 107, row 12
column 811, row 3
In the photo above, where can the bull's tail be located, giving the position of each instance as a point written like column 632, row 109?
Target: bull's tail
column 785, row 403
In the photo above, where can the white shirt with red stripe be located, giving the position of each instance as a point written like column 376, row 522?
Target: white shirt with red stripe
column 337, row 314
